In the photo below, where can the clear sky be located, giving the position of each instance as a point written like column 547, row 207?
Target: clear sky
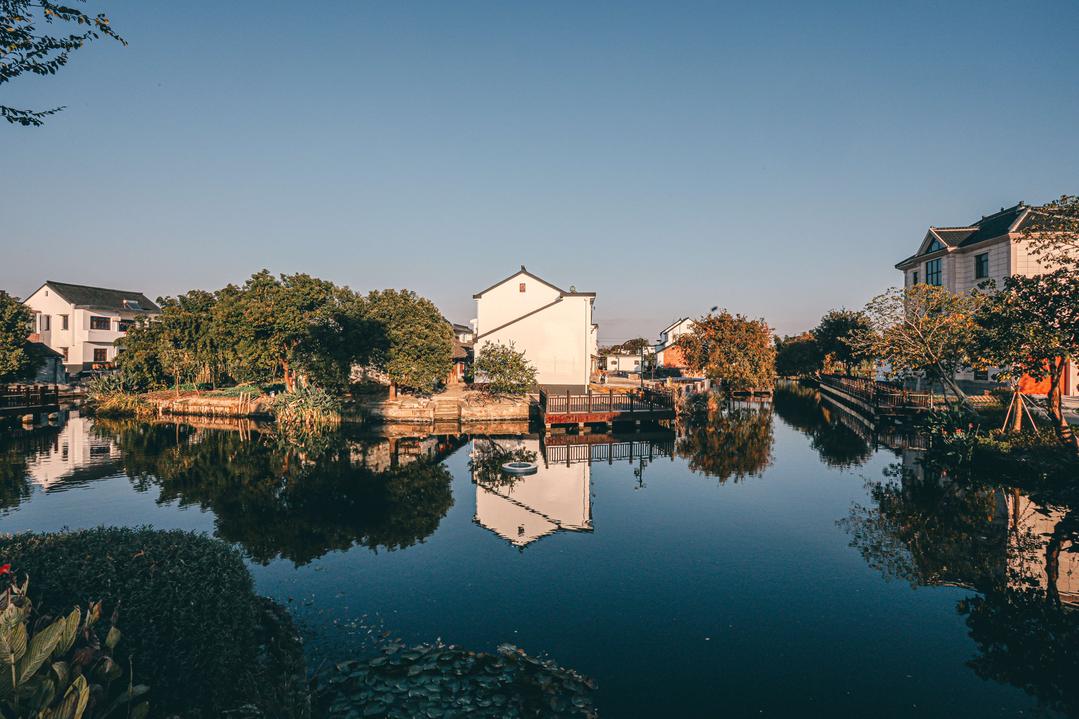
column 774, row 158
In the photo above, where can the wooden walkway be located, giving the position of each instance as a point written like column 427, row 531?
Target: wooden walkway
column 20, row 399
column 605, row 407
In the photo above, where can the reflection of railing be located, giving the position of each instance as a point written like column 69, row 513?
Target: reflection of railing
column 607, row 452
column 641, row 400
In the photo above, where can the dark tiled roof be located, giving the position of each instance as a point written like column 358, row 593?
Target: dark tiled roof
column 953, row 235
column 102, row 298
column 994, row 225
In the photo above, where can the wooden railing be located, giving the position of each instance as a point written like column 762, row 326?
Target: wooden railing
column 879, row 394
column 642, row 400
column 609, row 452
column 18, row 397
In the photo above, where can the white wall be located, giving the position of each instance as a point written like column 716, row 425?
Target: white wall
column 558, row 340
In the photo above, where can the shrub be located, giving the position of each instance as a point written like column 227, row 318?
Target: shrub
column 504, row 369
column 189, row 609
column 306, row 408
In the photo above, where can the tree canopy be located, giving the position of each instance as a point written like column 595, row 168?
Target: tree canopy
column 17, row 360
column 798, row 355
column 417, row 349
column 1052, row 232
column 732, row 350
column 504, row 369
column 25, row 49
column 834, row 333
column 921, row 329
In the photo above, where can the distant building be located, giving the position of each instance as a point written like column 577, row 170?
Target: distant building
column 624, row 361
column 961, row 258
column 464, row 333
column 83, row 323
column 668, row 353
column 552, row 326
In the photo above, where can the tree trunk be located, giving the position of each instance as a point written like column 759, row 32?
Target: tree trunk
column 1054, row 400
column 393, row 390
column 949, row 383
column 287, row 373
column 1017, row 421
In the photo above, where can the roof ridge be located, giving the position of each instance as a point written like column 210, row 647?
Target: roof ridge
column 92, row 287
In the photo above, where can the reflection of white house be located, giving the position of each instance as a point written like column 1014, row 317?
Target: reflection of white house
column 76, row 451
column 555, row 498
column 1031, row 524
column 83, row 323
column 552, row 326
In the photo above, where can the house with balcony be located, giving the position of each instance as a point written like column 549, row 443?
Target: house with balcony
column 552, row 326
column 83, row 323
column 960, row 258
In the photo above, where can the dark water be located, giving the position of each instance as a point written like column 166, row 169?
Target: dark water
column 766, row 560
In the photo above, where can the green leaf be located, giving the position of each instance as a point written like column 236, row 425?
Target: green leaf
column 40, row 649
column 113, row 638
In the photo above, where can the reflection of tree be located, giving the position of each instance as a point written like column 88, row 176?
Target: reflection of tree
column 487, row 459
column 728, row 439
column 837, row 444
column 929, row 532
column 941, row 525
column 276, row 500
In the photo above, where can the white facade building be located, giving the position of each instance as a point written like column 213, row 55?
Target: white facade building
column 552, row 326
column 959, row 259
column 623, row 362
column 83, row 323
column 668, row 353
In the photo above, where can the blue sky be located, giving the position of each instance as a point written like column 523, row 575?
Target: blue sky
column 774, row 158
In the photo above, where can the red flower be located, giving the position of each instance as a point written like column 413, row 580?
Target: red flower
column 5, row 569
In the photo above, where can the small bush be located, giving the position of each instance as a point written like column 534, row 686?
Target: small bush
column 190, row 612
column 504, row 369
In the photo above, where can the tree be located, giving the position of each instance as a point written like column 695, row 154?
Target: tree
column 921, row 329
column 1052, row 232
column 732, row 350
column 25, row 50
column 798, row 356
column 1031, row 326
column 416, row 344
column 17, row 360
column 834, row 332
column 505, row 369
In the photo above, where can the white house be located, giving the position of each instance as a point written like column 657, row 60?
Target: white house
column 623, row 361
column 552, row 326
column 961, row 258
column 668, row 353
column 83, row 323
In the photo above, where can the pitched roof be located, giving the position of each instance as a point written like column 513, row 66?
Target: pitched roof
column 999, row 224
column 44, row 349
column 523, row 271
column 102, row 298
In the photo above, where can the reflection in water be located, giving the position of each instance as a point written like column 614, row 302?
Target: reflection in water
column 522, row 509
column 833, row 434
column 727, row 439
column 1017, row 547
column 279, row 499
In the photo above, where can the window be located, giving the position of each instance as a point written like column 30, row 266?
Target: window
column 100, row 323
column 981, row 266
column 101, row 354
column 125, row 325
column 932, row 273
column 934, row 246
column 914, row 277
column 63, row 322
column 981, row 375
column 44, row 323
column 522, row 287
column 63, row 351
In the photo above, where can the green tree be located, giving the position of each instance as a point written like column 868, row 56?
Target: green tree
column 798, row 356
column 504, row 369
column 17, row 361
column 414, row 345
column 23, row 49
column 1031, row 326
column 922, row 329
column 833, row 336
column 732, row 350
